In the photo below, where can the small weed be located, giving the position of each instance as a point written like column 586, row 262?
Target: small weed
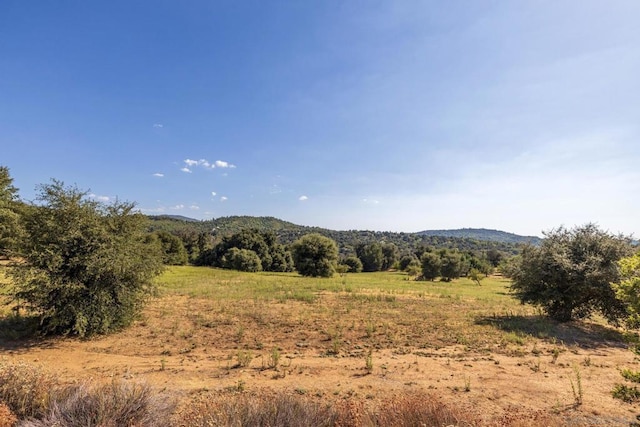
column 555, row 353
column 370, row 328
column 244, row 358
column 369, row 362
column 274, row 358
column 240, row 333
column 629, row 375
column 624, row 392
column 587, row 361
column 467, row 384
column 535, row 350
column 163, row 364
column 576, row 388
column 535, row 366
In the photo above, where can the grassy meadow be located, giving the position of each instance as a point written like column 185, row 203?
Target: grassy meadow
column 379, row 310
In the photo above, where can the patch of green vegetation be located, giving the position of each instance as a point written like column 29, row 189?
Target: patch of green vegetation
column 626, row 393
column 234, row 285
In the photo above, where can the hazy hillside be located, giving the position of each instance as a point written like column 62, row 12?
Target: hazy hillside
column 175, row 217
column 483, row 234
column 287, row 232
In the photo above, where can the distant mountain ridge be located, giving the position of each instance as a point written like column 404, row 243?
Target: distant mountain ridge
column 175, row 217
column 483, row 234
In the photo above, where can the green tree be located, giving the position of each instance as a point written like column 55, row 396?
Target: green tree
column 628, row 289
column 371, row 256
column 273, row 255
column 173, row 250
column 315, row 255
column 476, row 275
column 571, row 274
column 86, row 268
column 406, row 260
column 353, row 263
column 242, row 260
column 494, row 256
column 452, row 265
column 390, row 255
column 10, row 229
column 414, row 268
column 281, row 258
column 431, row 264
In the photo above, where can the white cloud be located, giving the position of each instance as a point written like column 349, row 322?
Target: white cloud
column 213, row 193
column 186, row 170
column 204, row 163
column 177, row 207
column 158, row 125
column 159, row 175
column 223, row 164
column 224, row 198
column 371, row 201
column 99, row 198
column 194, row 207
column 303, row 198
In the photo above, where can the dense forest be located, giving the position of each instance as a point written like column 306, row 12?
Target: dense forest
column 287, row 233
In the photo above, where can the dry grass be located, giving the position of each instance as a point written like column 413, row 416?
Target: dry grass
column 295, row 345
column 26, row 389
column 268, row 409
column 111, row 405
column 38, row 399
column 257, row 410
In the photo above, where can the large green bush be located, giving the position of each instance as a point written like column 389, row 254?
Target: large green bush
column 571, row 274
column 242, row 260
column 315, row 255
column 86, row 267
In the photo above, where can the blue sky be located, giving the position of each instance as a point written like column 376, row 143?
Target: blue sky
column 399, row 115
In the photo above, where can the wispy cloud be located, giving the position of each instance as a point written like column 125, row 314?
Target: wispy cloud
column 303, row 198
column 185, row 170
column 275, row 189
column 224, row 199
column 158, row 125
column 99, row 198
column 153, row 210
column 371, row 201
column 213, row 193
column 177, row 207
column 194, row 207
column 158, row 174
column 206, row 164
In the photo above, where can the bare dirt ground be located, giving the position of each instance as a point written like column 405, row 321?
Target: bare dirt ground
column 191, row 357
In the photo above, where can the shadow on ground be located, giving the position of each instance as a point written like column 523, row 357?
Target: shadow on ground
column 21, row 333
column 581, row 333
